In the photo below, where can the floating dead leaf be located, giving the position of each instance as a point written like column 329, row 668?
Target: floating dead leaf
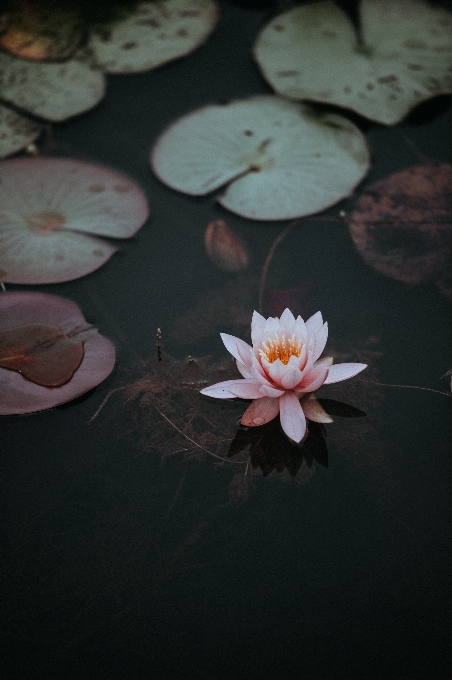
column 155, row 33
column 224, row 247
column 401, row 57
column 51, row 211
column 402, row 225
column 42, row 32
column 51, row 91
column 49, row 354
column 16, row 131
column 41, row 353
column 279, row 159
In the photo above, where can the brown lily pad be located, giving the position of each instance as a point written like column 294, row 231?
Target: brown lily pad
column 402, row 225
column 41, row 353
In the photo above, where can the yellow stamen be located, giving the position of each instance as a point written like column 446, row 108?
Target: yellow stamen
column 276, row 348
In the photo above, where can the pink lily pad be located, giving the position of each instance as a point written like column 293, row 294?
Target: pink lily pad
column 59, row 356
column 52, row 209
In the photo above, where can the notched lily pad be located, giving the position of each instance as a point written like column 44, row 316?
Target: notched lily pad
column 16, row 131
column 402, row 56
column 402, row 225
column 49, row 354
column 52, row 210
column 41, row 353
column 53, row 91
column 278, row 159
column 155, row 33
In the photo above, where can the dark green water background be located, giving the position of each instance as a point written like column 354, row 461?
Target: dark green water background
column 117, row 564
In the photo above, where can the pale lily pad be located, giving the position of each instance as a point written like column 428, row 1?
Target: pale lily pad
column 49, row 207
column 279, row 159
column 51, row 91
column 94, row 358
column 402, row 56
column 154, row 34
column 402, row 225
column 16, row 132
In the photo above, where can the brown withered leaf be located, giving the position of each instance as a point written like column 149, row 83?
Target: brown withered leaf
column 402, row 225
column 41, row 353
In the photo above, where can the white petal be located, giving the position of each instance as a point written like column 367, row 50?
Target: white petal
column 314, row 323
column 270, row 391
column 339, row 372
column 293, row 420
column 232, row 344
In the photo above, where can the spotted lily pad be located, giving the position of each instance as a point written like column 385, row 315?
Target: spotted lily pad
column 16, row 132
column 41, row 353
column 49, row 354
column 278, row 159
column 401, row 56
column 53, row 91
column 155, row 33
column 52, row 210
column 402, row 225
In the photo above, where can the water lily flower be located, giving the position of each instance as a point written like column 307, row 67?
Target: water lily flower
column 281, row 371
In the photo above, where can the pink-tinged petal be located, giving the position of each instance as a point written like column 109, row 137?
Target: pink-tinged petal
column 271, row 327
column 300, row 330
column 293, row 420
column 339, row 372
column 320, row 341
column 246, row 353
column 287, row 322
column 314, row 411
column 258, row 373
column 314, row 379
column 291, row 378
column 270, row 391
column 232, row 344
column 220, row 390
column 260, row 411
column 328, row 361
column 243, row 370
column 275, row 370
column 314, row 323
column 257, row 329
column 246, row 389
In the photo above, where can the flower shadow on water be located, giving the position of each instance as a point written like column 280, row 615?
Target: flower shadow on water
column 270, row 450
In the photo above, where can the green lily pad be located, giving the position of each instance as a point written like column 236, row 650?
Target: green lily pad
column 401, row 56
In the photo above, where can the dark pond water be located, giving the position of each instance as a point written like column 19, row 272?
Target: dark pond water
column 130, row 551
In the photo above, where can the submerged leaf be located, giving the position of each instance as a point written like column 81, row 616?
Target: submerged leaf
column 402, row 225
column 279, row 159
column 224, row 247
column 402, row 56
column 41, row 353
column 49, row 354
column 155, row 33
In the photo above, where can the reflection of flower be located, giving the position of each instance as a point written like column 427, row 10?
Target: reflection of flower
column 282, row 368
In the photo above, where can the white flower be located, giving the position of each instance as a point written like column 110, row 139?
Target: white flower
column 281, row 370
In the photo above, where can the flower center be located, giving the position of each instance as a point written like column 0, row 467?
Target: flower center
column 282, row 349
column 45, row 222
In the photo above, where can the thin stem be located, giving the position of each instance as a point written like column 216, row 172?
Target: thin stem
column 406, row 387
column 269, row 258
